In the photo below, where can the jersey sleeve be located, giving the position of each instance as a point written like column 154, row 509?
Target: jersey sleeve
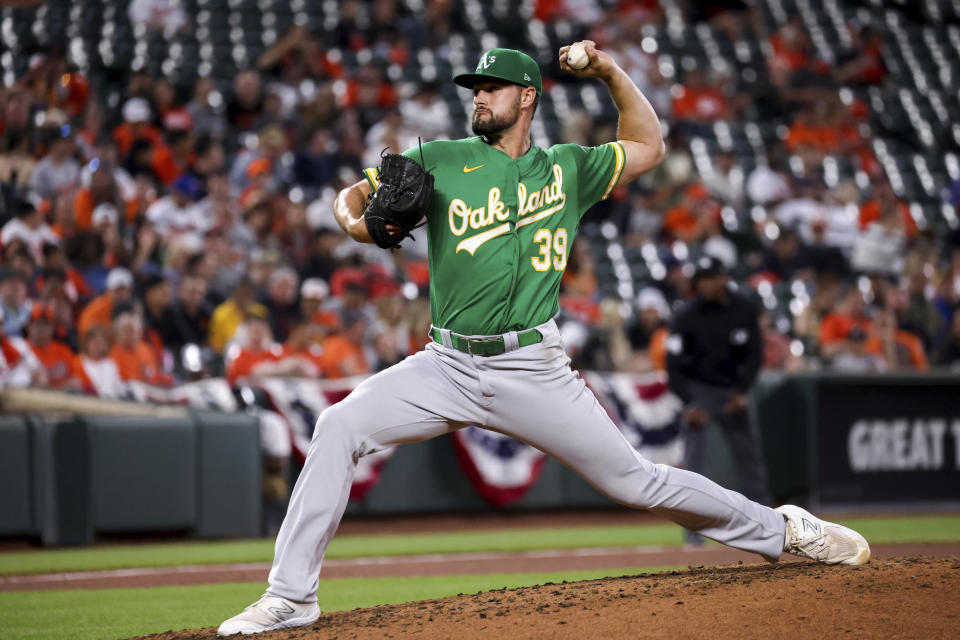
column 598, row 172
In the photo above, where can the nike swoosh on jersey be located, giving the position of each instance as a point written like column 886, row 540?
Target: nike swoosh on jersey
column 466, row 170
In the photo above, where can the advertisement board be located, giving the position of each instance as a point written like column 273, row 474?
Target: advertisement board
column 887, row 440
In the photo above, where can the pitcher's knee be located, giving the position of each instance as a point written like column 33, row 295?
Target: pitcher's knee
column 637, row 488
column 338, row 422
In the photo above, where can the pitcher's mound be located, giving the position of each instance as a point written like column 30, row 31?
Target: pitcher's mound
column 904, row 597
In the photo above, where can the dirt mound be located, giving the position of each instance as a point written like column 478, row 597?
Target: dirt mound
column 903, row 597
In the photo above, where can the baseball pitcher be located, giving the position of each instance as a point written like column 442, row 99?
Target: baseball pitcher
column 501, row 215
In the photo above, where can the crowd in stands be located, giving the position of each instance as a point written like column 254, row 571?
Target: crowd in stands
column 185, row 230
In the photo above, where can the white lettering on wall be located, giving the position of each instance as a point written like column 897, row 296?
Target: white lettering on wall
column 900, row 444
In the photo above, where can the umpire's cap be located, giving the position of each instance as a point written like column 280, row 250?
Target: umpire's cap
column 708, row 266
column 504, row 64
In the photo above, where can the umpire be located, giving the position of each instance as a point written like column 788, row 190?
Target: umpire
column 714, row 353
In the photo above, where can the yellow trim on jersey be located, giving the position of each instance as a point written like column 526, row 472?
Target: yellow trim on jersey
column 621, row 160
column 373, row 177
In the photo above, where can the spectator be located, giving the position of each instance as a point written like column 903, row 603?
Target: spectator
column 389, row 133
column 228, row 316
column 281, row 302
column 390, row 317
column 321, row 262
column 767, row 184
column 648, row 333
column 862, row 62
column 315, row 164
column 881, row 247
column 97, row 371
column 915, row 313
column 136, row 132
column 58, row 172
column 206, row 110
column 245, row 105
column 384, row 351
column 100, row 309
column 256, row 354
column 74, row 287
column 850, row 313
column 882, row 202
column 343, row 353
column 64, row 328
column 687, row 221
column 102, row 190
column 369, row 95
column 313, row 298
column 29, row 227
column 901, row 350
column 853, row 356
column 794, row 67
column 824, row 259
column 714, row 353
column 158, row 319
column 190, row 320
column 302, row 355
column 254, row 170
column 176, row 157
column 134, row 358
column 56, row 357
column 14, row 302
column 177, row 213
column 784, row 255
column 19, row 367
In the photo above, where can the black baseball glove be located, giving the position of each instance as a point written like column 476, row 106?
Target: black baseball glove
column 401, row 201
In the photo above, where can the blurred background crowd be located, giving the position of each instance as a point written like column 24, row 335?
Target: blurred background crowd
column 169, row 168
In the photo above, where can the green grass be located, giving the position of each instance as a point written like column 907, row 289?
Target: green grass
column 876, row 530
column 907, row 529
column 224, row 552
column 120, row 613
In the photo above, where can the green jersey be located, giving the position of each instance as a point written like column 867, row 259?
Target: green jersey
column 500, row 229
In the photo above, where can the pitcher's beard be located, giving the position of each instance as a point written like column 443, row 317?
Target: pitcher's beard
column 491, row 125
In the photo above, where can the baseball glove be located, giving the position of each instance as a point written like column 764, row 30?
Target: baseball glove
column 401, row 201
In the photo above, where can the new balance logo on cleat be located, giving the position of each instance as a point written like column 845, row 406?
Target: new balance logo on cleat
column 812, row 527
column 280, row 612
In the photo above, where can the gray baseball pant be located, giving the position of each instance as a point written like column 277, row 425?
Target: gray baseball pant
column 529, row 393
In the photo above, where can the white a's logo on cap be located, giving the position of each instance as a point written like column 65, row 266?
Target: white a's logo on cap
column 486, row 61
column 526, row 77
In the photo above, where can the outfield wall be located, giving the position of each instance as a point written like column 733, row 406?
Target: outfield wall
column 67, row 478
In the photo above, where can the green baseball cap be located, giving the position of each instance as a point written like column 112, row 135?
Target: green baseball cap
column 504, row 64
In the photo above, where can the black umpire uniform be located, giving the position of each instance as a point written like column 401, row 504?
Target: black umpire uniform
column 714, row 353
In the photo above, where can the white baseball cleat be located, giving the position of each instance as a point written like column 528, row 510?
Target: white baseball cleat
column 810, row 537
column 270, row 613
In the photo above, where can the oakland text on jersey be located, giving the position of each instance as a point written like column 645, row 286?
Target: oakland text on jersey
column 533, row 207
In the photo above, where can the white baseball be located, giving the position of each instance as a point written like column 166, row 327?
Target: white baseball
column 577, row 56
